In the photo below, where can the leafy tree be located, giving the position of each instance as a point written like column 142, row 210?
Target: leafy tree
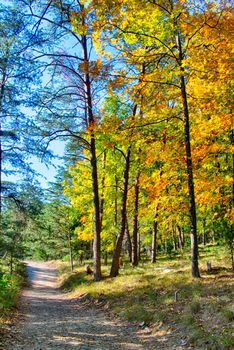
column 79, row 88
column 164, row 45
column 18, row 76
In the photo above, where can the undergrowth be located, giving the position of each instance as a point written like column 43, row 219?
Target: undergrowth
column 166, row 294
column 9, row 288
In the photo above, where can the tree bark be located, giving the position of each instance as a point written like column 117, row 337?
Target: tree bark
column 135, row 223
column 189, row 164
column 118, row 246
column 70, row 251
column 232, row 254
column 180, row 238
column 2, row 91
column 204, row 231
column 93, row 163
column 116, row 201
column 154, row 237
column 129, row 242
column 139, row 247
column 102, row 188
column 175, row 245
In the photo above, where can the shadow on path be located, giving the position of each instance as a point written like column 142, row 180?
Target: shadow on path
column 50, row 320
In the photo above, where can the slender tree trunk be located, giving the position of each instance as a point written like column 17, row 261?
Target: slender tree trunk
column 154, row 237
column 232, row 254
column 118, row 246
column 183, row 237
column 103, row 188
column 116, row 201
column 192, row 204
column 139, row 247
column 129, row 242
column 97, row 224
column 165, row 245
column 93, row 163
column 180, row 238
column 204, row 231
column 70, row 251
column 2, row 91
column 174, row 238
column 135, row 223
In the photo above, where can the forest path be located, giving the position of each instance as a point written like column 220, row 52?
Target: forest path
column 49, row 319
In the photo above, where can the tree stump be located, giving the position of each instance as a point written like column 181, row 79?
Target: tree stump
column 88, row 270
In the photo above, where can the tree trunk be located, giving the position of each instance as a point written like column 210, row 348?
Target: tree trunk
column 165, row 246
column 116, row 201
column 103, row 188
column 135, row 223
column 174, row 238
column 93, row 163
column 118, row 246
column 232, row 254
column 129, row 242
column 2, row 91
column 189, row 164
column 204, row 231
column 180, row 238
column 70, row 251
column 139, row 247
column 154, row 237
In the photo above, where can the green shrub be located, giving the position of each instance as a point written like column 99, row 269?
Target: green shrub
column 9, row 286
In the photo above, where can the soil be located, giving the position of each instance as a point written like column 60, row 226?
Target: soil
column 49, row 319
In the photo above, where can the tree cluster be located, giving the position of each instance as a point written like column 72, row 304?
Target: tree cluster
column 142, row 91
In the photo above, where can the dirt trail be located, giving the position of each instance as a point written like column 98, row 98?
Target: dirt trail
column 50, row 320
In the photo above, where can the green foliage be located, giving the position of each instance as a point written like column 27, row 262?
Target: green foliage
column 136, row 105
column 9, row 286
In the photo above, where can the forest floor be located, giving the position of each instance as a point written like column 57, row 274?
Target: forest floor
column 49, row 319
column 164, row 301
column 149, row 307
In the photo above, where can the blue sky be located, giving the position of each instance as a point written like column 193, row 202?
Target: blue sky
column 47, row 173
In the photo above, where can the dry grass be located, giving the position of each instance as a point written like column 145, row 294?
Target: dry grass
column 204, row 311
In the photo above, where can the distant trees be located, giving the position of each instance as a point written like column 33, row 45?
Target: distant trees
column 146, row 107
column 19, row 212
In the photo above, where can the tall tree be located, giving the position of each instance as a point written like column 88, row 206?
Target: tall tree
column 78, row 88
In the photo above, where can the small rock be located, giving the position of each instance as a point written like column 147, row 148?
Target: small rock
column 183, row 342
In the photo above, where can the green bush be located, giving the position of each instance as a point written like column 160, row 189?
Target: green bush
column 9, row 286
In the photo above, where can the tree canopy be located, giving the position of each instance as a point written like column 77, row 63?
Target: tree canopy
column 141, row 91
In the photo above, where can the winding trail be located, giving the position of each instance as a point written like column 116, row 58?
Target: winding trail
column 50, row 320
